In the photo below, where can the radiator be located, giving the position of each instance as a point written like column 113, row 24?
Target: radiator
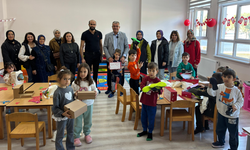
column 207, row 67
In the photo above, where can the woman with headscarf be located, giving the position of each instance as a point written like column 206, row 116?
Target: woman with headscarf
column 10, row 49
column 43, row 57
column 145, row 51
column 192, row 47
column 54, row 45
column 159, row 53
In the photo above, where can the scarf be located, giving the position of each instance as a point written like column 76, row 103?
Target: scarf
column 141, row 34
column 189, row 41
column 55, row 32
column 10, row 41
column 162, row 37
column 40, row 45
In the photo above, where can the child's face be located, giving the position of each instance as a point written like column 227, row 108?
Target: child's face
column 152, row 73
column 228, row 80
column 65, row 81
column 132, row 57
column 83, row 73
column 10, row 69
column 117, row 56
column 185, row 59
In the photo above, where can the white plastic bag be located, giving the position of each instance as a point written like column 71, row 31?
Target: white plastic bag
column 17, row 77
column 203, row 105
column 49, row 92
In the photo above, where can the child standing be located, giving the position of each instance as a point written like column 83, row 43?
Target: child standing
column 185, row 66
column 228, row 101
column 134, row 68
column 62, row 96
column 8, row 68
column 149, row 101
column 84, row 82
column 116, row 73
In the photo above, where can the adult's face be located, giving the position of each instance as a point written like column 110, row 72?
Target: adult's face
column 11, row 35
column 174, row 37
column 57, row 34
column 92, row 25
column 41, row 40
column 30, row 38
column 158, row 35
column 116, row 27
column 189, row 34
column 139, row 36
column 68, row 37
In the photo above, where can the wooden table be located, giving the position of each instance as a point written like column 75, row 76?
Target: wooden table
column 165, row 103
column 9, row 87
column 1, row 66
column 247, row 130
column 23, row 103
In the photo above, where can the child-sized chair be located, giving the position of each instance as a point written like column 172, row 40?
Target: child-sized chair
column 134, row 105
column 25, row 128
column 214, row 119
column 124, row 99
column 52, row 78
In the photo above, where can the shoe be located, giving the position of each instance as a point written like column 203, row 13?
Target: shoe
column 217, row 145
column 88, row 139
column 107, row 92
column 111, row 95
column 198, row 131
column 77, row 142
column 99, row 91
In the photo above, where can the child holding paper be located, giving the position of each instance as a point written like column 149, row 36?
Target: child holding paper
column 185, row 66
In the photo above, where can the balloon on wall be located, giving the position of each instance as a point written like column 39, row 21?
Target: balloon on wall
column 186, row 22
column 211, row 22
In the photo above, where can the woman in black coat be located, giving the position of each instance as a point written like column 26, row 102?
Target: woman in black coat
column 159, row 53
column 10, row 49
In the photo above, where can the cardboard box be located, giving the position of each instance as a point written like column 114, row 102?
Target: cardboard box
column 194, row 81
column 86, row 95
column 76, row 108
column 170, row 94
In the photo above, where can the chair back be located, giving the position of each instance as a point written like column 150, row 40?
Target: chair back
column 52, row 78
column 183, row 104
column 215, row 111
column 121, row 89
column 134, row 98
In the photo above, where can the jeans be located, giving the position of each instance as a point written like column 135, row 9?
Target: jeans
column 160, row 74
column 30, row 75
column 148, row 117
column 93, row 60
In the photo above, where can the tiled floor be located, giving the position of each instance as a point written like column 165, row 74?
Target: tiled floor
column 108, row 132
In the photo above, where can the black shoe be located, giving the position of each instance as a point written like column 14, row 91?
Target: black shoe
column 108, row 91
column 198, row 131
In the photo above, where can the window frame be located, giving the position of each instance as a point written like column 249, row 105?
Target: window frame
column 236, row 40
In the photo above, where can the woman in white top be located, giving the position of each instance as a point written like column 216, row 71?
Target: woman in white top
column 175, row 53
column 25, row 53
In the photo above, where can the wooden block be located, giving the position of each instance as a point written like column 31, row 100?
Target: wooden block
column 76, row 108
column 86, row 95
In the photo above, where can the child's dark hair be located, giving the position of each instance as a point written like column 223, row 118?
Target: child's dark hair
column 218, row 77
column 152, row 65
column 118, row 51
column 62, row 72
column 229, row 72
column 132, row 51
column 185, row 54
column 88, row 78
column 6, row 66
column 222, row 69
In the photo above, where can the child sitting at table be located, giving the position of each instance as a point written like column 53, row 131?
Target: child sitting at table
column 185, row 66
column 116, row 74
column 149, row 101
column 63, row 95
column 8, row 68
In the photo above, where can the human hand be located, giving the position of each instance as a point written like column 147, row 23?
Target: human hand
column 66, row 114
column 31, row 57
column 164, row 63
column 195, row 66
column 192, row 77
column 122, row 59
column 83, row 60
column 55, row 68
column 137, row 46
column 234, row 108
column 34, row 72
column 111, row 59
column 210, row 85
column 78, row 65
column 76, row 93
column 140, row 65
column 101, row 59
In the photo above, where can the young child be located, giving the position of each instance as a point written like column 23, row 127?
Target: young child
column 62, row 96
column 185, row 66
column 8, row 68
column 134, row 68
column 84, row 82
column 149, row 101
column 228, row 101
column 116, row 73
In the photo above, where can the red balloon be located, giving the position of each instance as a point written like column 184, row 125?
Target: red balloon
column 211, row 22
column 186, row 22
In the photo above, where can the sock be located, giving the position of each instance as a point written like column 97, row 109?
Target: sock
column 150, row 137
column 142, row 133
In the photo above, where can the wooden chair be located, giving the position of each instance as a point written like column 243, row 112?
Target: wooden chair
column 52, row 78
column 124, row 99
column 134, row 105
column 214, row 119
column 25, row 128
column 173, row 74
column 181, row 115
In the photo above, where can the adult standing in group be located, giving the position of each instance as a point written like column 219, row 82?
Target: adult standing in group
column 112, row 41
column 44, row 63
column 92, row 53
column 175, row 53
column 192, row 46
column 159, row 53
column 145, row 51
column 10, row 49
column 25, row 53
column 54, row 45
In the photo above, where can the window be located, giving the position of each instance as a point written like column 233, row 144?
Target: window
column 233, row 42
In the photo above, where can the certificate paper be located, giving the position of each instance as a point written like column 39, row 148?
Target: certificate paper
column 115, row 65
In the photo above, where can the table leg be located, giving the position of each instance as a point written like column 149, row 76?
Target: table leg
column 1, row 123
column 16, row 109
column 162, row 120
column 49, row 121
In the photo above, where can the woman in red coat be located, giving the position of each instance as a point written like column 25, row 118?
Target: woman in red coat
column 192, row 46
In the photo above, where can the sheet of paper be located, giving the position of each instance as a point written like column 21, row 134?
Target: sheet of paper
column 115, row 65
column 179, row 98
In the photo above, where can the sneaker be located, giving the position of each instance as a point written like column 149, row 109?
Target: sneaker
column 77, row 142
column 88, row 139
column 198, row 131
column 111, row 95
column 107, row 92
column 217, row 145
